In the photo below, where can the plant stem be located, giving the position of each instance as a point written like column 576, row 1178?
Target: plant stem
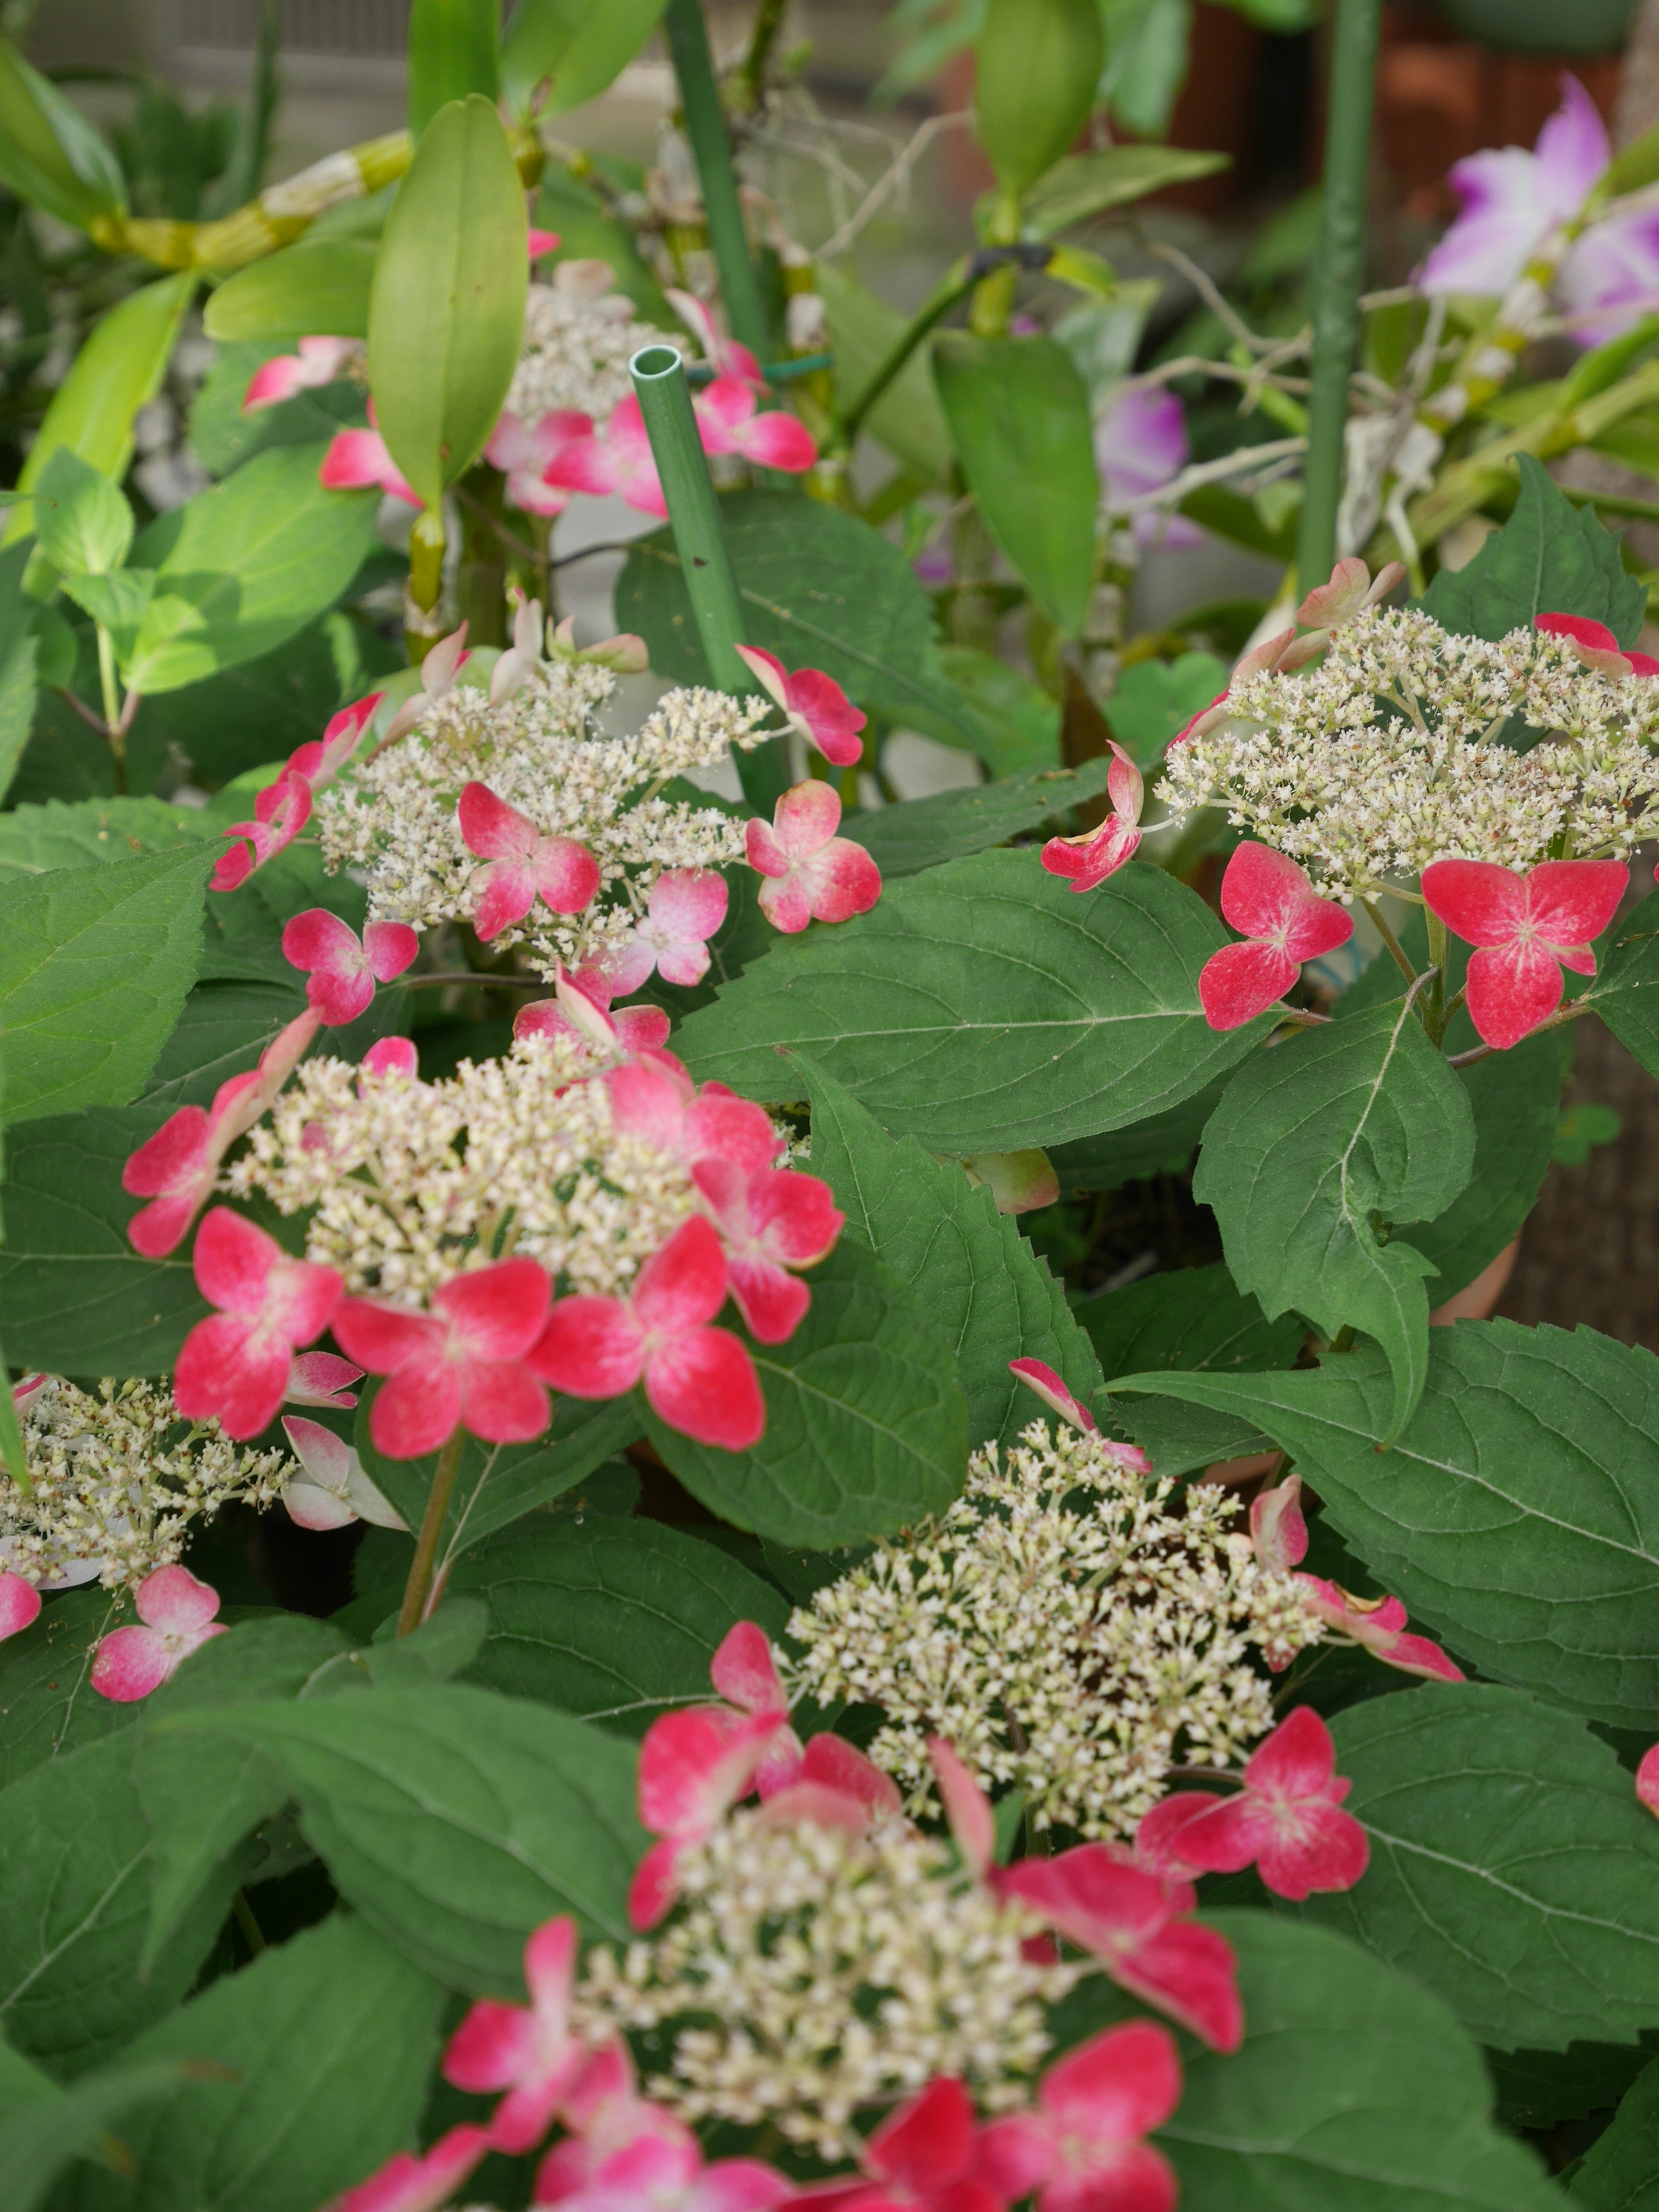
column 242, row 1913
column 957, row 283
column 711, row 583
column 711, row 148
column 1401, row 961
column 1555, row 1021
column 426, row 584
column 750, row 82
column 416, row 1590
column 1338, row 276
column 116, row 722
column 1434, row 1020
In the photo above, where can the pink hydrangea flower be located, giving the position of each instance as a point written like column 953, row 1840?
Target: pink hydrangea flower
column 439, row 672
column 1596, row 644
column 1527, row 928
column 530, row 2052
column 1287, row 1820
column 1082, row 2149
column 525, row 863
column 811, row 875
column 281, row 811
column 176, row 1168
column 581, row 1008
column 359, row 460
column 926, row 2158
column 322, row 1378
column 655, row 1100
column 815, row 704
column 1267, row 895
column 770, row 1219
column 522, row 451
column 393, row 1055
column 684, row 910
column 176, row 1612
column 698, row 1379
column 745, row 1672
column 834, row 1786
column 1090, row 858
column 1647, row 1780
column 1270, row 653
column 20, row 1603
column 1513, row 200
column 662, row 2170
column 235, row 1367
column 727, row 356
column 424, row 2183
column 318, row 361
column 694, row 1766
column 321, row 761
column 1126, row 1917
column 464, row 1362
column 617, row 458
column 341, row 967
column 1140, row 444
column 728, row 423
column 332, row 1490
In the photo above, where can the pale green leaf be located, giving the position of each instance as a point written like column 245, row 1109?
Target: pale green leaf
column 319, row 287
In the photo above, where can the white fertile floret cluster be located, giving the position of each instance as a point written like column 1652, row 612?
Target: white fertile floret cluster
column 577, row 350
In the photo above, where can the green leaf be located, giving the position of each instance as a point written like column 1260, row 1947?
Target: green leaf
column 1550, row 557
column 967, row 1264
column 612, row 1620
column 1353, row 2089
column 242, row 567
column 19, row 691
column 1539, row 2088
column 1019, row 720
column 75, row 1847
column 455, row 1820
column 49, row 155
column 583, row 45
column 329, row 2039
column 117, row 602
column 75, row 1297
column 1148, row 49
column 1512, row 1870
column 1156, row 698
column 44, row 2129
column 866, row 1425
column 222, row 1030
column 984, row 1007
column 821, row 590
column 46, row 1703
column 222, row 437
column 117, row 371
column 1034, row 86
column 451, row 52
column 1625, row 994
column 83, row 523
column 1191, row 1318
column 1085, row 184
column 319, row 287
column 91, row 833
column 863, row 330
column 445, row 315
column 1162, row 1142
column 95, row 964
column 1317, row 1148
column 1518, row 1515
column 921, row 833
column 1621, row 2171
column 1018, row 412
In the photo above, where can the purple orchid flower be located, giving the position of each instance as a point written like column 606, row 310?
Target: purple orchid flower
column 1512, row 200
column 1140, row 443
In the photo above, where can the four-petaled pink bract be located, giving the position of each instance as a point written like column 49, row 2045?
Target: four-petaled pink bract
column 463, row 1363
column 811, row 875
column 660, row 2169
column 770, row 1219
column 745, row 1672
column 1089, row 859
column 1527, row 927
column 814, row 702
column 1287, row 1820
column 683, row 909
column 530, row 2052
column 176, row 1613
column 728, row 423
column 1266, row 895
column 342, row 968
column 655, row 1100
column 694, row 1766
column 925, row 2158
column 1082, row 2149
column 526, row 863
column 233, row 1367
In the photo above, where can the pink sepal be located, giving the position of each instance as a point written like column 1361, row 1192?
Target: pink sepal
column 19, row 1604
column 1088, row 860
column 814, row 702
column 409, row 2183
column 463, row 1363
column 1526, row 928
column 967, row 1808
column 176, row 1613
column 1267, row 895
column 235, row 1367
column 322, row 1378
column 1647, row 1780
column 1051, row 1389
column 1287, row 1820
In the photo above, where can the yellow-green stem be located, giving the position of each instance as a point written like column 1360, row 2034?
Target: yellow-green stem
column 417, row 1589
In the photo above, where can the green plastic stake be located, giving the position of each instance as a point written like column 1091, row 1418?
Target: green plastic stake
column 711, row 583
column 1338, row 276
column 711, row 148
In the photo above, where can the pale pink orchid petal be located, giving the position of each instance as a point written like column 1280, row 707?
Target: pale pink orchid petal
column 235, row 1367
column 1609, row 277
column 1287, row 1820
column 1267, row 894
column 1647, row 1780
column 1140, row 444
column 464, row 1361
column 176, row 1613
column 1527, row 927
column 426, row 2183
column 19, row 1604
column 1512, row 199
column 323, row 1378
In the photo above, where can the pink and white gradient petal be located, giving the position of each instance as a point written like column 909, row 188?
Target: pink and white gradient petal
column 19, row 1604
column 176, row 1613
column 424, row 2183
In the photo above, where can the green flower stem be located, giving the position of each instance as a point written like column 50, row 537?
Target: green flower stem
column 1338, row 276
column 417, row 1589
column 1397, row 950
column 711, row 148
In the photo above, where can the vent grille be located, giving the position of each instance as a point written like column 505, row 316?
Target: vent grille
column 370, row 29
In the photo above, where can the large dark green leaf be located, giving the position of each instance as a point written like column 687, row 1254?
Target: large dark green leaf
column 1518, row 1515
column 821, row 590
column 1550, row 557
column 921, row 833
column 1162, row 1142
column 1626, row 993
column 223, row 1029
column 44, row 2129
column 866, row 1424
column 613, row 1620
column 969, row 1266
column 1018, row 410
column 46, row 1703
column 984, row 1006
column 454, row 1821
column 1512, row 1870
column 1318, row 1150
column 1187, row 1318
column 1620, row 2173
column 94, row 963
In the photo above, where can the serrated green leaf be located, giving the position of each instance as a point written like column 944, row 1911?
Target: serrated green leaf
column 866, row 1424
column 90, row 832
column 1018, row 412
column 455, row 1820
column 1160, row 1142
column 612, row 1620
column 1190, row 1318
column 1621, row 2171
column 922, row 833
column 44, row 2129
column 222, row 1030
column 83, row 521
column 983, row 1007
column 1316, row 1150
column 1550, row 557
column 1516, row 1516
column 967, row 1264
column 95, row 964
column 20, row 691
column 1512, row 1870
column 1625, row 994
column 48, row 1705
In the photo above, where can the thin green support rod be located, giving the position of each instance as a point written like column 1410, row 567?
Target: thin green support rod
column 711, row 583
column 1339, row 279
column 711, row 148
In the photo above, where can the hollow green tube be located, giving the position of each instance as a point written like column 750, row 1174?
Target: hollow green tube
column 711, row 148
column 1339, row 279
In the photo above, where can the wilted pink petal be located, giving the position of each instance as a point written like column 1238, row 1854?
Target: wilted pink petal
column 439, row 670
column 1287, row 1820
column 1593, row 641
column 770, row 1219
column 462, row 1362
column 20, row 1603
column 318, row 361
column 1019, row 1183
column 1266, row 893
column 815, row 704
column 235, row 1367
column 408, row 2184
column 1527, row 927
column 178, row 1615
column 331, row 1491
column 323, row 1378
column 341, row 968
column 1090, row 858
column 1278, row 1531
column 1378, row 1625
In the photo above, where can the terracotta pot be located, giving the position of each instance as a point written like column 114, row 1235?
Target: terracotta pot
column 1475, row 1301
